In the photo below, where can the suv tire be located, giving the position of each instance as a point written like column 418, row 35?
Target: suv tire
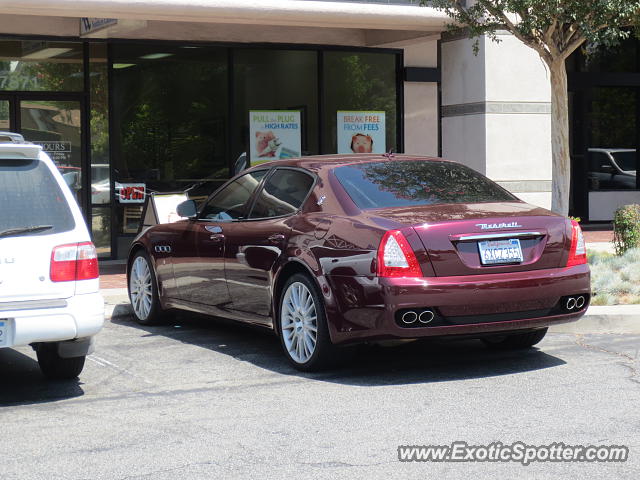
column 54, row 367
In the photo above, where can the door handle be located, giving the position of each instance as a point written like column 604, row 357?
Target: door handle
column 216, row 237
column 276, row 238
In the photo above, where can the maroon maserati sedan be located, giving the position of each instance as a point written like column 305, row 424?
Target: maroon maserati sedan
column 329, row 251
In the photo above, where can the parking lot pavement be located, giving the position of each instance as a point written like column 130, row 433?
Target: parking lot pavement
column 205, row 399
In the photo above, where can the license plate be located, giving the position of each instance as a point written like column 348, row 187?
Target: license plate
column 4, row 332
column 495, row 252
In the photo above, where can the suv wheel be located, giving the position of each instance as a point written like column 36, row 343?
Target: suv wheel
column 55, row 367
column 143, row 290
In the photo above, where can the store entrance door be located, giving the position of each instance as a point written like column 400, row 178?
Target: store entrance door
column 56, row 123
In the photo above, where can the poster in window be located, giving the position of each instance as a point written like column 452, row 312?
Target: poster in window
column 274, row 135
column 361, row 132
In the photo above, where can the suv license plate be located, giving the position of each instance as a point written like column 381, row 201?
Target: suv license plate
column 496, row 252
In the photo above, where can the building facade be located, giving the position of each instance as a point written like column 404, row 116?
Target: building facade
column 132, row 98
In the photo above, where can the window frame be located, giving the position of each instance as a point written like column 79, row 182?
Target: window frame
column 314, row 179
column 249, row 201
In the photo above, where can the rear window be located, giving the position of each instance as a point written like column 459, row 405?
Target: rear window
column 30, row 196
column 400, row 183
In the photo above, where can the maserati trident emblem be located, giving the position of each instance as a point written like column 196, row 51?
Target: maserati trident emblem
column 494, row 226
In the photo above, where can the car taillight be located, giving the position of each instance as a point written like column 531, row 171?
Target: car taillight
column 578, row 251
column 75, row 261
column 396, row 258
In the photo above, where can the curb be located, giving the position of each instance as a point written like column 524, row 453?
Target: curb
column 116, row 303
column 617, row 319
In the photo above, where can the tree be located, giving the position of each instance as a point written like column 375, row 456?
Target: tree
column 555, row 29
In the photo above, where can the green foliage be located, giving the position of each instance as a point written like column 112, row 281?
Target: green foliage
column 626, row 228
column 554, row 28
column 615, row 279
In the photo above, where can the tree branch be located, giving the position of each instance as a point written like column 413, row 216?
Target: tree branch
column 536, row 43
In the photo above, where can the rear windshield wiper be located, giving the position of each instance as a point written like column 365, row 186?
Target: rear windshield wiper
column 19, row 230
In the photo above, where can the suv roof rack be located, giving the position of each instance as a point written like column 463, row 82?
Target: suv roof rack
column 10, row 137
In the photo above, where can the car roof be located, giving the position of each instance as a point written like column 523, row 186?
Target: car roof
column 613, row 150
column 322, row 162
column 24, row 150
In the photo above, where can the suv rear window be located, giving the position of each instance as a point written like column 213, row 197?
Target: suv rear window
column 406, row 183
column 30, row 196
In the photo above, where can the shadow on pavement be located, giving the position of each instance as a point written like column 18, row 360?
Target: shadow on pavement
column 424, row 361
column 21, row 382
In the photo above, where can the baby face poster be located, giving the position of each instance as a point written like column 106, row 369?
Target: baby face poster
column 361, row 132
column 274, row 135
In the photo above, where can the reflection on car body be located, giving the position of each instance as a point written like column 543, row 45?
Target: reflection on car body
column 612, row 168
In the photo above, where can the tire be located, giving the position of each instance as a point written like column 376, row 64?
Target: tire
column 143, row 291
column 304, row 334
column 519, row 341
column 54, row 367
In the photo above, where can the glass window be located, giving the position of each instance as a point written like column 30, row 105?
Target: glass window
column 99, row 122
column 101, row 230
column 30, row 196
column 618, row 58
column 35, row 65
column 275, row 80
column 170, row 115
column 359, row 82
column 613, row 133
column 230, row 203
column 283, row 194
column 57, row 127
column 4, row 115
column 411, row 183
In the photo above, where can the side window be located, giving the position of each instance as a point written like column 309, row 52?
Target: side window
column 283, row 194
column 230, row 202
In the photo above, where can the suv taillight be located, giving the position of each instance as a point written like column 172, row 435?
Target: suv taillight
column 75, row 261
column 578, row 251
column 396, row 258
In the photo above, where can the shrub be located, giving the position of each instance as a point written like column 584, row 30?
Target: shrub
column 626, row 228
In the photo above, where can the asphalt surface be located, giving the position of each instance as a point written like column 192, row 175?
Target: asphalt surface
column 203, row 399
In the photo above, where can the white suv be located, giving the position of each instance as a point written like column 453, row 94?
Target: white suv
column 49, row 292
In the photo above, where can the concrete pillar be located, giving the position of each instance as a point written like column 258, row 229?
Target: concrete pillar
column 496, row 113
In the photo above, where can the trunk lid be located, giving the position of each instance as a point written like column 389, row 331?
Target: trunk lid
column 451, row 235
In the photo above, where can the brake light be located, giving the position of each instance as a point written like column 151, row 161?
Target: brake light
column 75, row 261
column 396, row 258
column 578, row 251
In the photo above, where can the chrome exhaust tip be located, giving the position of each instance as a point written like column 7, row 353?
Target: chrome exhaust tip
column 571, row 303
column 426, row 316
column 580, row 301
column 409, row 317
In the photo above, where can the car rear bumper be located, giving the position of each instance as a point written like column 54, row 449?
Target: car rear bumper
column 80, row 316
column 366, row 308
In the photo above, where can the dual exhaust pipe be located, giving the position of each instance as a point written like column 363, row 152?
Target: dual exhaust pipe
column 574, row 303
column 424, row 317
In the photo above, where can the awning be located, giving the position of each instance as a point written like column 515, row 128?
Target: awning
column 251, row 12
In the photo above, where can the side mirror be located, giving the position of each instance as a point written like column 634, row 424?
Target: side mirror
column 187, row 209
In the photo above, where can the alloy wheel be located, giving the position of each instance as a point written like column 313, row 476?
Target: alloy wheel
column 140, row 288
column 299, row 322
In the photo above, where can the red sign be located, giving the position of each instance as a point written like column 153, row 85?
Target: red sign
column 131, row 193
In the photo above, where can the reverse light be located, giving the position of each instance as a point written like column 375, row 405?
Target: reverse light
column 396, row 258
column 578, row 251
column 74, row 261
